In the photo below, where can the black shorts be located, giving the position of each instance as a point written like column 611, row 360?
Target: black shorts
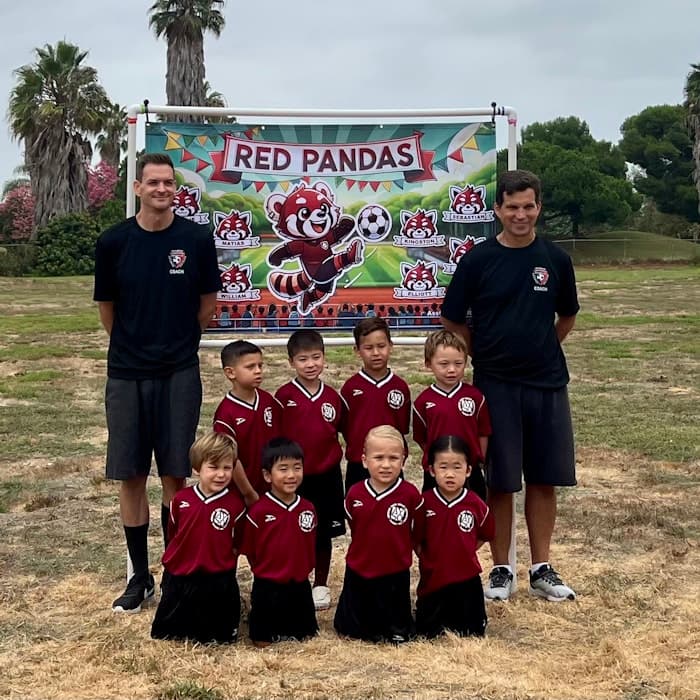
column 147, row 417
column 325, row 491
column 375, row 609
column 201, row 607
column 532, row 436
column 457, row 608
column 475, row 482
column 281, row 611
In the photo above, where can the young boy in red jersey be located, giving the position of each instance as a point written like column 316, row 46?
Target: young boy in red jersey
column 374, row 396
column 247, row 413
column 280, row 543
column 375, row 604
column 449, row 529
column 200, row 599
column 450, row 406
column 312, row 413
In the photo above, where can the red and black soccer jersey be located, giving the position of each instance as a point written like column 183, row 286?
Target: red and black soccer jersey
column 201, row 531
column 448, row 532
column 280, row 539
column 371, row 403
column 252, row 426
column 462, row 412
column 381, row 526
column 313, row 420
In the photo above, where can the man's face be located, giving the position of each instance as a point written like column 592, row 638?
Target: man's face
column 156, row 188
column 518, row 214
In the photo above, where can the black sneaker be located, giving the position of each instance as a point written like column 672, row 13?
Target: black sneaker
column 500, row 584
column 137, row 592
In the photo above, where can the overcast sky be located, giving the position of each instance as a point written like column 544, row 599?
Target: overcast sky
column 601, row 60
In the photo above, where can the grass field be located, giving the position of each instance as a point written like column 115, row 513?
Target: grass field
column 628, row 536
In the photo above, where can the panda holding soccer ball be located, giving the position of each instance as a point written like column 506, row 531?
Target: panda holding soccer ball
column 373, row 223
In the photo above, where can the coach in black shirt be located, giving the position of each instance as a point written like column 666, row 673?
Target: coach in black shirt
column 522, row 294
column 156, row 278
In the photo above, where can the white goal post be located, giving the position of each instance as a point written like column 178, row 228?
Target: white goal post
column 264, row 115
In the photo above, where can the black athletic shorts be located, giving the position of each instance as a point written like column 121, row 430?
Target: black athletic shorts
column 281, row 611
column 147, row 417
column 375, row 609
column 457, row 608
column 201, row 607
column 325, row 491
column 532, row 436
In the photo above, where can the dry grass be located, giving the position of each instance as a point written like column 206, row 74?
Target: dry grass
column 628, row 537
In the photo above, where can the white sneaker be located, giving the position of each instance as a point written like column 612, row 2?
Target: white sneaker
column 546, row 583
column 322, row 597
column 500, row 584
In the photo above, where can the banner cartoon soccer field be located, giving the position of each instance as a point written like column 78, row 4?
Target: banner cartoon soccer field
column 334, row 214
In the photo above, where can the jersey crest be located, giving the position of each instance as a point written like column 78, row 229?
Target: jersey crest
column 465, row 521
column 397, row 514
column 307, row 521
column 220, row 518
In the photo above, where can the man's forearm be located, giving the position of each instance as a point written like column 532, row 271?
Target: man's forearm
column 207, row 307
column 106, row 310
column 459, row 329
column 563, row 326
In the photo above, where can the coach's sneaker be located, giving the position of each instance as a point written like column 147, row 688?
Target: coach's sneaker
column 137, row 592
column 546, row 583
column 500, row 584
column 322, row 597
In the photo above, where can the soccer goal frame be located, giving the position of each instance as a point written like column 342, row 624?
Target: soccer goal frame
column 492, row 112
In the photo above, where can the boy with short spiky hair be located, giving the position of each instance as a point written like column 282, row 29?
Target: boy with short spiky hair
column 450, row 406
column 249, row 414
column 312, row 413
column 374, row 396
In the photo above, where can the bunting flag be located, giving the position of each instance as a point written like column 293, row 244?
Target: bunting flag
column 201, row 165
column 387, row 185
column 259, row 186
column 186, row 155
column 202, row 140
column 172, row 141
column 374, row 185
column 188, row 139
column 284, row 185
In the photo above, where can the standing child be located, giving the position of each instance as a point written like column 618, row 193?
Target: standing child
column 374, row 396
column 450, row 406
column 448, row 532
column 200, row 599
column 375, row 604
column 312, row 413
column 280, row 543
column 247, row 413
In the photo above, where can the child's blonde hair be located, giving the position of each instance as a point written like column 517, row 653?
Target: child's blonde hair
column 445, row 338
column 385, row 432
column 212, row 447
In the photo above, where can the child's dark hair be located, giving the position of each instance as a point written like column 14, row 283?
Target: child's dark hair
column 369, row 325
column 233, row 352
column 448, row 443
column 304, row 340
column 280, row 448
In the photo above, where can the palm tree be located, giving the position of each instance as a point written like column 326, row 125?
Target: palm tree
column 183, row 23
column 56, row 105
column 692, row 105
column 216, row 99
column 112, row 141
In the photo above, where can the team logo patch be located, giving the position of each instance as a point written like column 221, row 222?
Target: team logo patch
column 397, row 513
column 307, row 521
column 466, row 406
column 328, row 412
column 357, row 392
column 395, row 398
column 267, row 417
column 220, row 518
column 540, row 275
column 357, row 504
column 177, row 258
column 465, row 521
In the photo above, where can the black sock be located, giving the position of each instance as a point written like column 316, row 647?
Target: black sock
column 164, row 520
column 137, row 544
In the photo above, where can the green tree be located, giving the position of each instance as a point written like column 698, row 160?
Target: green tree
column 183, row 23
column 584, row 180
column 692, row 109
column 111, row 142
column 657, row 141
column 55, row 107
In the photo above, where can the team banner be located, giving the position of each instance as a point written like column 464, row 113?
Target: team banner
column 313, row 215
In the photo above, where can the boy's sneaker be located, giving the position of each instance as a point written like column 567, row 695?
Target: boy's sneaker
column 322, row 597
column 546, row 583
column 137, row 592
column 500, row 584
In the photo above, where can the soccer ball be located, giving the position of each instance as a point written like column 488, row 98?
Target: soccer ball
column 373, row 222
